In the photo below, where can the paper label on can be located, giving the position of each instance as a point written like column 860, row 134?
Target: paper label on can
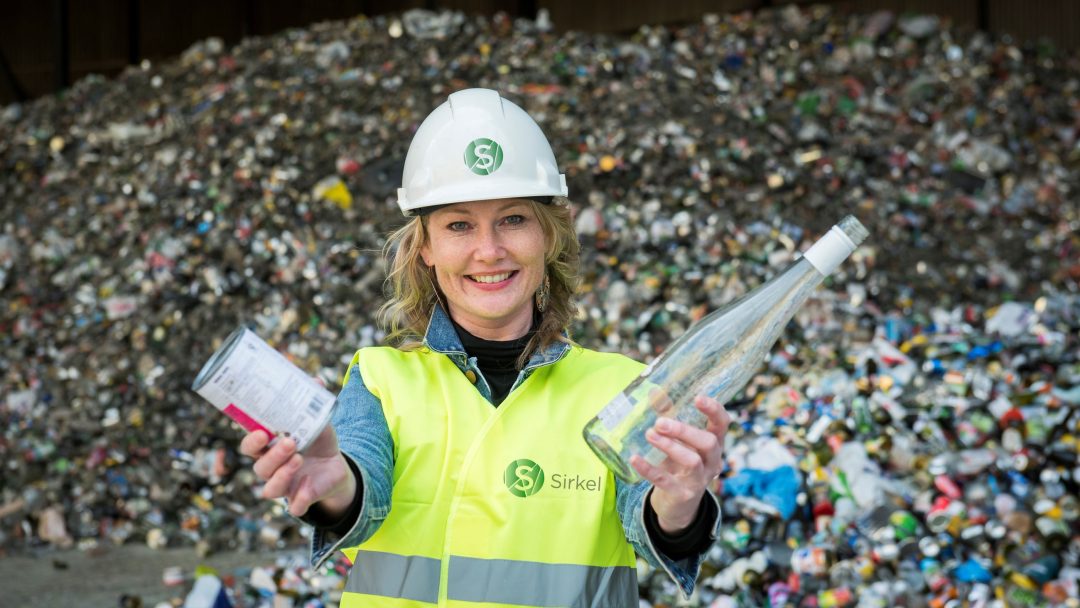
column 240, row 417
column 263, row 387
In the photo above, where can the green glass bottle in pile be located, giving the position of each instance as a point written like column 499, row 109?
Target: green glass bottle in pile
column 715, row 357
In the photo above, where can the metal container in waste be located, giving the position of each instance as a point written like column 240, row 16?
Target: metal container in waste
column 259, row 388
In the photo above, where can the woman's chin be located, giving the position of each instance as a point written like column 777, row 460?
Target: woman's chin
column 493, row 312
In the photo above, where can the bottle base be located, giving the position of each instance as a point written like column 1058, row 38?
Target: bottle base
column 611, row 459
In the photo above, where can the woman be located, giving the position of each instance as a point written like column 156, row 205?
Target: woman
column 454, row 472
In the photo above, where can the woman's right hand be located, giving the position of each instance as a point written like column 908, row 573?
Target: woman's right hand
column 319, row 475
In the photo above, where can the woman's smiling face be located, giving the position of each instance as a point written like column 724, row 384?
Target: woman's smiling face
column 488, row 258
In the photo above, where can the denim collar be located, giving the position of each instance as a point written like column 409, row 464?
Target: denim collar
column 441, row 337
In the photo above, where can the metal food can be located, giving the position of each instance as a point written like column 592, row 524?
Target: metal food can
column 256, row 386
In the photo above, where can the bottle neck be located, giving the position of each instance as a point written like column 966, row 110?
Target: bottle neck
column 792, row 287
column 830, row 250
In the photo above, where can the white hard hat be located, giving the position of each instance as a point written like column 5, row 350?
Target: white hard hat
column 477, row 146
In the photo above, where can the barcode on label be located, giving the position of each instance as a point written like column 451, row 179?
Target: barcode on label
column 615, row 412
column 314, row 407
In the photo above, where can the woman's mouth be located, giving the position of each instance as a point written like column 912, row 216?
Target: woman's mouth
column 491, row 278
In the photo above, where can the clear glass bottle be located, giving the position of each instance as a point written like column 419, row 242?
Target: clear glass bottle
column 715, row 357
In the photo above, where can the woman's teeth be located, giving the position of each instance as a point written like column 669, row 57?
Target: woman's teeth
column 491, row 278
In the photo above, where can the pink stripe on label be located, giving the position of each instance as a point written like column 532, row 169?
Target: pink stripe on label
column 244, row 420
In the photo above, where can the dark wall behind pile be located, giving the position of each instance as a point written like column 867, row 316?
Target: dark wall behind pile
column 47, row 44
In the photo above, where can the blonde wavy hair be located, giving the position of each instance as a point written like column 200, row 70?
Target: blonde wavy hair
column 410, row 285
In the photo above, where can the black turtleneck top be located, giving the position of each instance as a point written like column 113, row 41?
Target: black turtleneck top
column 497, row 360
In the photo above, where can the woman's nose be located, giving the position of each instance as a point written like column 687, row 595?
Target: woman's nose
column 489, row 245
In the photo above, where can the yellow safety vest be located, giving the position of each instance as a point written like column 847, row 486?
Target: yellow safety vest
column 493, row 506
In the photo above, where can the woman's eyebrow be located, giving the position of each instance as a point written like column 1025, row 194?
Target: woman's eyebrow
column 502, row 208
column 511, row 205
column 465, row 212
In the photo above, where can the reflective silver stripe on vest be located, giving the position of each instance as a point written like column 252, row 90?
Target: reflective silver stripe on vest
column 409, row 577
column 504, row 581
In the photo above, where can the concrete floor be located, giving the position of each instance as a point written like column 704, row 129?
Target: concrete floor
column 76, row 578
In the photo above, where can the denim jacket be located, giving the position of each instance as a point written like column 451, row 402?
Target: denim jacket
column 364, row 438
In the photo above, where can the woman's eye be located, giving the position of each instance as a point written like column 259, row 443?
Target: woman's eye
column 458, row 226
column 514, row 220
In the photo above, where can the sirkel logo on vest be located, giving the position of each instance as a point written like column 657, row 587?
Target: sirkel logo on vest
column 524, row 477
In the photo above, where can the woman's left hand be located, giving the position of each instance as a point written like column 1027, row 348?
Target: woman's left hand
column 694, row 458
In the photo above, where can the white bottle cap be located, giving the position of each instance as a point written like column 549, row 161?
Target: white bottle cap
column 830, row 250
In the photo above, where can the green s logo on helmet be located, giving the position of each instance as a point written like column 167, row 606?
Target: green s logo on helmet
column 523, row 477
column 483, row 156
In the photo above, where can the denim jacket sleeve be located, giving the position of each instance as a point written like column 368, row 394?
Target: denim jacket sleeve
column 363, row 437
column 630, row 502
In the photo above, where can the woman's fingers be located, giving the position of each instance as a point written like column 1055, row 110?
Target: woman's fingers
column 670, row 484
column 653, row 473
column 679, row 453
column 694, row 458
column 279, row 483
column 302, row 497
column 707, row 444
column 274, row 458
column 719, row 418
column 253, row 443
column 701, row 440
